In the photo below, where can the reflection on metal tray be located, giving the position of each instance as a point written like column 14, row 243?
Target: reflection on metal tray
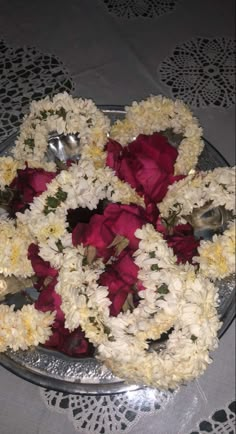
column 54, row 370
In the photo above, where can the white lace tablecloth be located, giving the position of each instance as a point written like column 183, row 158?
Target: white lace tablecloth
column 115, row 52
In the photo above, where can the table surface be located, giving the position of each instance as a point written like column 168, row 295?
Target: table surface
column 115, row 52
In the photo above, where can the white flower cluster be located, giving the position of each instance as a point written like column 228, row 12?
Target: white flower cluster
column 80, row 186
column 84, row 302
column 14, row 243
column 64, row 115
column 178, row 299
column 84, row 184
column 216, row 187
column 217, row 257
column 156, row 114
column 175, row 297
column 23, row 328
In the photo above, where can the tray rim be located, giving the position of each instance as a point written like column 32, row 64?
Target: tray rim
column 83, row 388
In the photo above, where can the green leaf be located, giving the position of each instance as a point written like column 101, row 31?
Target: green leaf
column 163, row 289
column 154, row 267
column 152, row 254
column 106, row 329
column 60, row 165
column 62, row 113
column 61, row 195
column 47, row 210
column 59, row 246
column 194, row 338
column 52, row 202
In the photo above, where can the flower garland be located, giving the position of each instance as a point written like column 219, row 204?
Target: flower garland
column 84, row 302
column 216, row 187
column 217, row 257
column 80, row 186
column 63, row 114
column 171, row 299
column 179, row 299
column 23, row 328
column 158, row 113
column 83, row 185
column 14, row 242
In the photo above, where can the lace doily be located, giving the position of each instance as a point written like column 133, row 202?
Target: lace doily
column 202, row 72
column 129, row 9
column 26, row 74
column 106, row 413
column 221, row 422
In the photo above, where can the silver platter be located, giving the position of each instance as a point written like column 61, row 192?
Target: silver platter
column 56, row 371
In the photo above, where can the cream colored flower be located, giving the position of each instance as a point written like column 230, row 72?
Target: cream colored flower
column 8, row 171
column 14, row 245
column 217, row 257
column 193, row 192
column 23, row 328
column 63, row 114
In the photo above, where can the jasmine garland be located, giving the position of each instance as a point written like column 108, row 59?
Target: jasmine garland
column 91, row 234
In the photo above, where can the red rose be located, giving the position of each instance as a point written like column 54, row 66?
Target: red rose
column 71, row 343
column 102, row 229
column 152, row 213
column 41, row 268
column 49, row 300
column 120, row 278
column 182, row 241
column 28, row 184
column 75, row 344
column 147, row 164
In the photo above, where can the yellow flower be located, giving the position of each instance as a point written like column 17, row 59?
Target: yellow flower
column 8, row 170
column 96, row 154
column 213, row 261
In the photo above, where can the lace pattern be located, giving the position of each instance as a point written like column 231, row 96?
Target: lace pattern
column 221, row 422
column 130, row 9
column 106, row 413
column 26, row 74
column 202, row 72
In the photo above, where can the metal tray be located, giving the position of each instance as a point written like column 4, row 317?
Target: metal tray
column 56, row 371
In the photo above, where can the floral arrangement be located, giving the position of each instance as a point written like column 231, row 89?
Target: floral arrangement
column 107, row 240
